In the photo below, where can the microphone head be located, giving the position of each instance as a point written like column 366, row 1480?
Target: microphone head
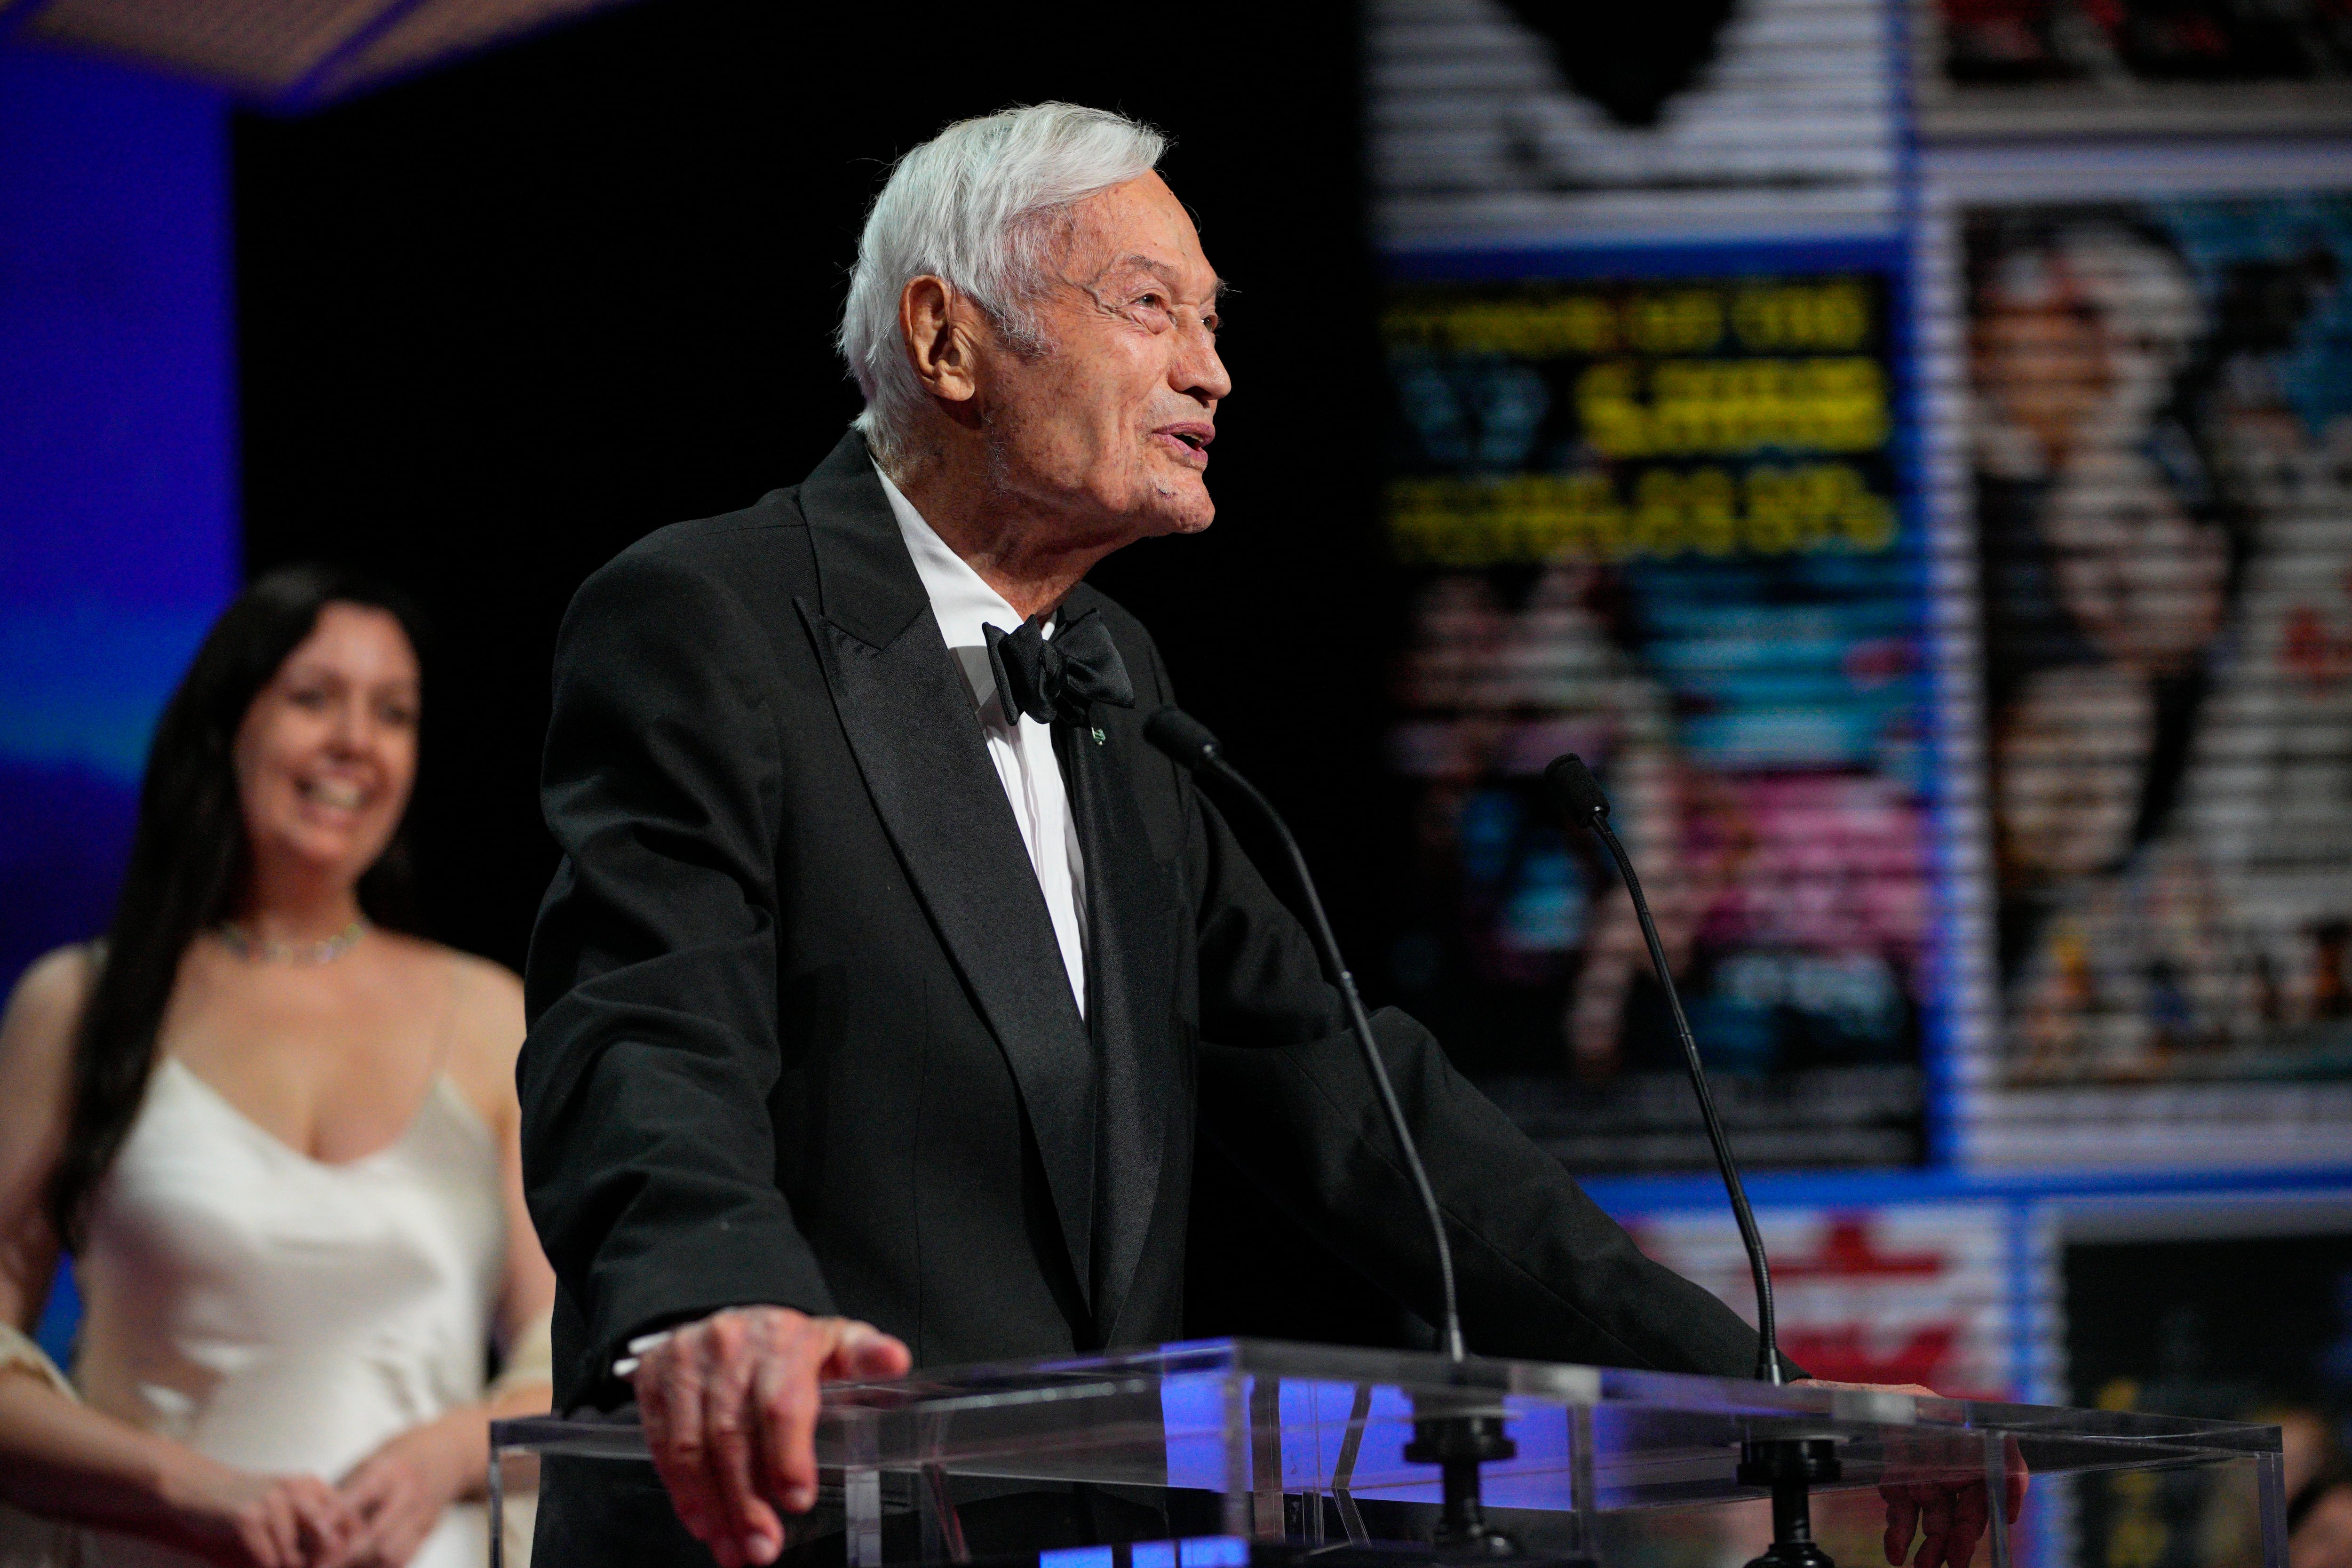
column 1574, row 787
column 1183, row 737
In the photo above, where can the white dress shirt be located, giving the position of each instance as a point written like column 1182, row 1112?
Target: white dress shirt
column 1022, row 749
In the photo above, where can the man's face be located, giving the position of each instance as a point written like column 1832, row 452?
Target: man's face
column 1110, row 425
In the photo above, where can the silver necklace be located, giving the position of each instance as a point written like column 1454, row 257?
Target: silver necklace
column 270, row 950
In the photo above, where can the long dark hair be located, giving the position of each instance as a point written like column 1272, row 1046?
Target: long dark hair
column 189, row 858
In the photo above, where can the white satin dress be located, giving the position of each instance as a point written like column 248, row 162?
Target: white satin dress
column 280, row 1313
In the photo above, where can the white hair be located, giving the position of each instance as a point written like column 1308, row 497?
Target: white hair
column 975, row 206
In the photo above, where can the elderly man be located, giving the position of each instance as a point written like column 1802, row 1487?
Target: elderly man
column 889, row 976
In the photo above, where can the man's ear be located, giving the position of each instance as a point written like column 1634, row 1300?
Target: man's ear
column 937, row 323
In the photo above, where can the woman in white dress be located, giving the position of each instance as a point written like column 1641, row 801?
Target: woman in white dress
column 278, row 1138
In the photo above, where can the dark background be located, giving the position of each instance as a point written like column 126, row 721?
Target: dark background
column 497, row 322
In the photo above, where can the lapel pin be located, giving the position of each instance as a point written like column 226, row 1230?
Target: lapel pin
column 1098, row 737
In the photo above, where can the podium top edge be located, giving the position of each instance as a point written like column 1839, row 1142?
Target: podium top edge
column 1188, row 1369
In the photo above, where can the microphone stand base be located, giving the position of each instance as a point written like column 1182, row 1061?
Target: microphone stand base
column 1793, row 1554
column 1458, row 1446
column 1789, row 1467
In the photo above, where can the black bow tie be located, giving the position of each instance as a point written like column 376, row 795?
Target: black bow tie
column 1057, row 680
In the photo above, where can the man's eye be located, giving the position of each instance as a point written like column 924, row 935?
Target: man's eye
column 307, row 697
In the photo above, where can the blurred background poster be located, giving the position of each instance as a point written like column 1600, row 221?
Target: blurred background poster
column 2030, row 67
column 1660, row 523
column 2161, row 453
column 1647, row 331
column 1897, row 1293
column 1908, row 450
column 1501, row 122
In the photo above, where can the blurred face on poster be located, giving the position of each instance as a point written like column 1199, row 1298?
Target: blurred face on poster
column 2077, row 341
column 2068, row 770
column 2041, row 363
column 2143, row 580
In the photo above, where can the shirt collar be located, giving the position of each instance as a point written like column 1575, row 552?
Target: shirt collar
column 961, row 601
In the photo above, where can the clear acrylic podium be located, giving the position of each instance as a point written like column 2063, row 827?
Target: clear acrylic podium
column 1303, row 1448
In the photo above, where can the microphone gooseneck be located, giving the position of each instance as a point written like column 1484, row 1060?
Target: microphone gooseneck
column 1192, row 745
column 1578, row 795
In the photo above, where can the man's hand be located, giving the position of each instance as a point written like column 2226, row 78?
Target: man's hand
column 1946, row 1507
column 1950, row 1510
column 729, row 1406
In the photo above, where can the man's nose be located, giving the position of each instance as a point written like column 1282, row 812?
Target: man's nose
column 1199, row 373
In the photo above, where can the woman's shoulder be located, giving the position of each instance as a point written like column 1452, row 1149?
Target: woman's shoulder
column 489, row 1006
column 36, row 1031
column 50, row 996
column 486, row 1019
column 478, row 981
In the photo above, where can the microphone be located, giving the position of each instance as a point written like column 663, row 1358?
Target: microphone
column 1578, row 795
column 1192, row 745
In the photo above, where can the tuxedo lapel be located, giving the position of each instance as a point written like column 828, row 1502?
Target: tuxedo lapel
column 910, row 725
column 1130, row 958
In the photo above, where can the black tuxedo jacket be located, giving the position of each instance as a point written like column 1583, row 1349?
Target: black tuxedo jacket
column 801, row 1033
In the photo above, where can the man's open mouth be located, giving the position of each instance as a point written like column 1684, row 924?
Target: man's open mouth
column 1192, row 437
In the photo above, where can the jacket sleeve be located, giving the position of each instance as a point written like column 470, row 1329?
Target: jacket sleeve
column 649, row 1157
column 1540, row 1271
